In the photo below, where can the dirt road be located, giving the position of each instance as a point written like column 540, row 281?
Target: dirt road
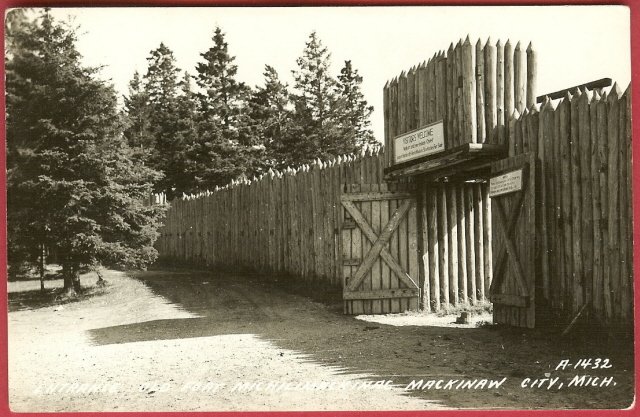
column 198, row 341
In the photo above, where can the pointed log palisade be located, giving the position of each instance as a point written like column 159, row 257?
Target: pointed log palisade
column 294, row 222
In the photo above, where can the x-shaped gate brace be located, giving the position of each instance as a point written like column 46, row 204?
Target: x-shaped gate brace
column 508, row 251
column 379, row 244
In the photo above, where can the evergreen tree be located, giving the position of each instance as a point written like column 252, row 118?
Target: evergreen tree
column 161, row 89
column 225, row 148
column 71, row 184
column 186, row 135
column 161, row 80
column 223, row 98
column 356, row 126
column 161, row 114
column 316, row 132
column 270, row 115
column 23, row 238
column 187, row 108
column 138, row 119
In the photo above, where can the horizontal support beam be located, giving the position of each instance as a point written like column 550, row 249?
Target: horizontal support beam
column 444, row 161
column 479, row 170
column 381, row 294
column 375, row 196
column 601, row 83
column 351, row 262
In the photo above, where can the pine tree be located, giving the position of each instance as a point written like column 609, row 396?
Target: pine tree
column 356, row 125
column 270, row 115
column 138, row 119
column 187, row 105
column 225, row 148
column 71, row 183
column 223, row 98
column 161, row 114
column 23, row 237
column 317, row 107
column 161, row 80
column 185, row 134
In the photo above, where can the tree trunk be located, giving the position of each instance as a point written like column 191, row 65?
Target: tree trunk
column 66, row 275
column 42, row 267
column 76, row 279
column 101, row 282
column 71, row 278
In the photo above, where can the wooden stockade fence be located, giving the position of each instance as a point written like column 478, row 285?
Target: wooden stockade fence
column 290, row 222
column 487, row 94
column 585, row 224
column 454, row 220
column 284, row 222
column 583, row 202
column 299, row 222
column 472, row 89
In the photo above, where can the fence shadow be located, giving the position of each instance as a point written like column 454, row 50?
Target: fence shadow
column 230, row 304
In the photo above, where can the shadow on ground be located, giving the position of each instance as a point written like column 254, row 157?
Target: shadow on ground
column 50, row 297
column 233, row 304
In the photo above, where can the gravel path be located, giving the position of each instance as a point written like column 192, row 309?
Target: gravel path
column 50, row 351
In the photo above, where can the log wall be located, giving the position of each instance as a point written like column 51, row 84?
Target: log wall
column 455, row 244
column 284, row 222
column 289, row 222
column 472, row 89
column 583, row 143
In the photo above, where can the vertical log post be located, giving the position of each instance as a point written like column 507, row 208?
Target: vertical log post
column 489, row 90
column 519, row 79
column 468, row 94
column 480, row 135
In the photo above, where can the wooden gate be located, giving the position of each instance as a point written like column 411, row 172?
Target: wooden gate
column 512, row 191
column 379, row 250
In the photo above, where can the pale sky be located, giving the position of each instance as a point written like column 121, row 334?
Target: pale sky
column 575, row 44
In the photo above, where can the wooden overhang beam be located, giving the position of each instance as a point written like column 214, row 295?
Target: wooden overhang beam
column 459, row 161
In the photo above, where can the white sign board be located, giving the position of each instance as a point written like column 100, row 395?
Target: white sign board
column 421, row 142
column 505, row 183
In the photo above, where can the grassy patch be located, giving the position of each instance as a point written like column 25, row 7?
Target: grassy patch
column 471, row 309
column 51, row 273
column 484, row 324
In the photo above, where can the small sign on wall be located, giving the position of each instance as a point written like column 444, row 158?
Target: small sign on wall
column 421, row 142
column 505, row 183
